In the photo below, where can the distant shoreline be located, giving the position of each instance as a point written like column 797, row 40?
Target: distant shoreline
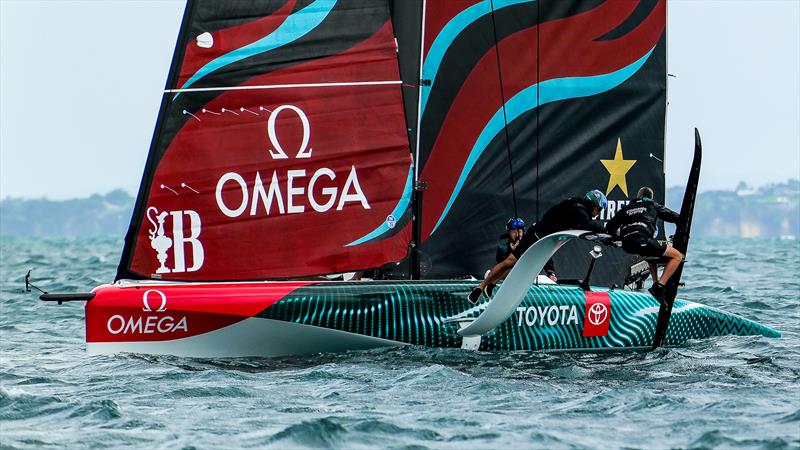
column 771, row 211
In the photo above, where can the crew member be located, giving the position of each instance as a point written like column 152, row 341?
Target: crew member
column 636, row 225
column 508, row 241
column 571, row 214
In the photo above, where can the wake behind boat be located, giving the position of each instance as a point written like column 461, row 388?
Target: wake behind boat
column 302, row 138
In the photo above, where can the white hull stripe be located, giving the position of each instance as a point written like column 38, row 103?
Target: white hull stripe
column 254, row 336
column 654, row 309
column 284, row 86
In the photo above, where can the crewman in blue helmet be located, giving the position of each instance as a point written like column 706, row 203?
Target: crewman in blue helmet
column 508, row 241
column 577, row 213
column 636, row 225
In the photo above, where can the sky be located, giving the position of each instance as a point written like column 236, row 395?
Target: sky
column 81, row 83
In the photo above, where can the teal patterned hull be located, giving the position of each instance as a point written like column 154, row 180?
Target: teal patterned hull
column 551, row 317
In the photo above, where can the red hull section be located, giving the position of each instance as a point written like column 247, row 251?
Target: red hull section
column 169, row 312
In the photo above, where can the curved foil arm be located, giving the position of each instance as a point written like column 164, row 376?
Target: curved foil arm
column 518, row 281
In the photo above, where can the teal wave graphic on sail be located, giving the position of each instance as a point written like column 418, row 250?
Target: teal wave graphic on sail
column 448, row 34
column 399, row 210
column 293, row 28
column 538, row 94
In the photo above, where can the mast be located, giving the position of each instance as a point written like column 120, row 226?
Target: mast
column 419, row 186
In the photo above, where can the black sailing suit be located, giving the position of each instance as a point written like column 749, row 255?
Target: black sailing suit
column 636, row 225
column 571, row 214
column 503, row 247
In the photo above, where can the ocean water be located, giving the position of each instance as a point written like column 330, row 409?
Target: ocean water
column 728, row 392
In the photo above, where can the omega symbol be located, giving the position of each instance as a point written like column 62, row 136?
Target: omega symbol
column 278, row 153
column 146, row 301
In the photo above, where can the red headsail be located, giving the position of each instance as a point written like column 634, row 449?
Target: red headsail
column 281, row 148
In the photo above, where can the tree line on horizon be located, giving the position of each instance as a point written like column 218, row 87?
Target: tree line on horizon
column 769, row 211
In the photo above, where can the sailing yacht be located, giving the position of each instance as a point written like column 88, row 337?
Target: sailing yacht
column 300, row 138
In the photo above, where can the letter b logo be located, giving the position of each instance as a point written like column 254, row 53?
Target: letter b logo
column 162, row 243
column 181, row 240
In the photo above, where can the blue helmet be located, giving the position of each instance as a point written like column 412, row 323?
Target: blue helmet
column 515, row 223
column 596, row 198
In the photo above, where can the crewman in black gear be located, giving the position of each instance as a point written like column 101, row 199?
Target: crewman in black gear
column 636, row 225
column 571, row 214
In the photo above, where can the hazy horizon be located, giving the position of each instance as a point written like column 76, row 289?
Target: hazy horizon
column 135, row 192
column 95, row 76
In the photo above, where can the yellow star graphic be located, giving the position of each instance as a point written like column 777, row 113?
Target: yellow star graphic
column 617, row 168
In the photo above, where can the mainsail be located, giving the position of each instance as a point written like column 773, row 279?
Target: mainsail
column 281, row 149
column 522, row 102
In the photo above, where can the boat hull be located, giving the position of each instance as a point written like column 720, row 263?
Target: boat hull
column 285, row 318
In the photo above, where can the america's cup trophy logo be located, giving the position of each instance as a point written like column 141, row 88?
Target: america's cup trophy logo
column 158, row 241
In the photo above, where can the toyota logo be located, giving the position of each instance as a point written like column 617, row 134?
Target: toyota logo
column 598, row 313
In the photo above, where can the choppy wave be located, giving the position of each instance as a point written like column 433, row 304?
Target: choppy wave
column 729, row 392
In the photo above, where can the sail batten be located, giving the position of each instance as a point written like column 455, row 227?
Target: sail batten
column 285, row 86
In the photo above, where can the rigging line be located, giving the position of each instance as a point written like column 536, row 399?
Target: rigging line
column 505, row 119
column 538, row 97
column 419, row 89
column 284, row 86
